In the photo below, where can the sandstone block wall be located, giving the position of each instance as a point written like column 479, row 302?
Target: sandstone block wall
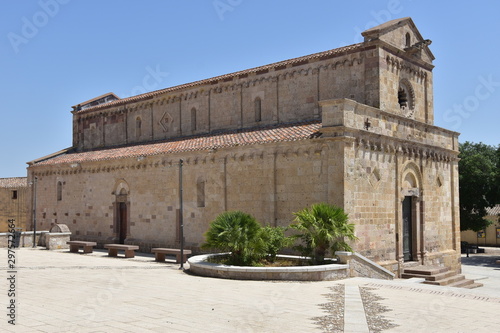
column 14, row 201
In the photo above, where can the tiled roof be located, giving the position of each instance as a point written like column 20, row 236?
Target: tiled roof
column 294, row 61
column 493, row 211
column 15, row 182
column 280, row 133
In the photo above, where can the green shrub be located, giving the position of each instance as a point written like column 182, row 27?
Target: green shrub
column 274, row 241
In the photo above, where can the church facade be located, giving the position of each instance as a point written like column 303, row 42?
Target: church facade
column 352, row 126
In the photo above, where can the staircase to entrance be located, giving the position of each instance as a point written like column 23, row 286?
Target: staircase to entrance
column 439, row 276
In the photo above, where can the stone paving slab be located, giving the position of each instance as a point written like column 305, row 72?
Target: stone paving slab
column 59, row 291
column 354, row 316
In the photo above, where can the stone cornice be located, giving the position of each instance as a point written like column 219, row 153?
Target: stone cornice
column 402, row 55
column 405, row 147
column 405, row 66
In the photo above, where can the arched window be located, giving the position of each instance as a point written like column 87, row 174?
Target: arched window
column 407, row 40
column 406, row 96
column 59, row 191
column 138, row 127
column 258, row 109
column 200, row 189
column 193, row 119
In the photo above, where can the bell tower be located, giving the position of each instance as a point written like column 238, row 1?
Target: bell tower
column 404, row 69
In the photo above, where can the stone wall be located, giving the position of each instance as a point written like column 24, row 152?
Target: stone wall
column 269, row 182
column 14, row 201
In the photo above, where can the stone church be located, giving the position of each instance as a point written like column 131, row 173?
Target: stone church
column 352, row 126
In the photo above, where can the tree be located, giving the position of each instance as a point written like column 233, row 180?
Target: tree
column 323, row 228
column 238, row 233
column 479, row 187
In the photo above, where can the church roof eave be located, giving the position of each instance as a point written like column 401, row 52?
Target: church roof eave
column 226, row 139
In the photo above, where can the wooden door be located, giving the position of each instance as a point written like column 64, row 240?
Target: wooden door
column 407, row 229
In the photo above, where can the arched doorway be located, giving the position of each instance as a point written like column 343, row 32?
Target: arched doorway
column 410, row 243
column 121, row 213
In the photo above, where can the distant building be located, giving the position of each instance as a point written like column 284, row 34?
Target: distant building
column 14, row 202
column 352, row 126
column 488, row 237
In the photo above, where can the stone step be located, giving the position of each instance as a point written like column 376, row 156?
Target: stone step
column 447, row 281
column 462, row 283
column 426, row 270
column 434, row 277
column 439, row 276
column 473, row 285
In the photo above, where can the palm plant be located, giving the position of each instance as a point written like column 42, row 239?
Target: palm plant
column 323, row 228
column 238, row 233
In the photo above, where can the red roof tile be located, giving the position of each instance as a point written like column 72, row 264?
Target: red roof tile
column 281, row 133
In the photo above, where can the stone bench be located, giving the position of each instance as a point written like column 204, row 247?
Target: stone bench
column 129, row 250
column 74, row 246
column 160, row 254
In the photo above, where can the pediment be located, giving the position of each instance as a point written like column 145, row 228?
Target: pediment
column 404, row 35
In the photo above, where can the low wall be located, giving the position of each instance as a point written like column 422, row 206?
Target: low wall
column 363, row 267
column 199, row 266
column 26, row 239
column 50, row 240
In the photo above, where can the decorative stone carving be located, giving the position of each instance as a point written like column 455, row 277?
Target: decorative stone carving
column 165, row 121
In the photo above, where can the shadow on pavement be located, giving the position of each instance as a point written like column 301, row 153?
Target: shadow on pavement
column 484, row 260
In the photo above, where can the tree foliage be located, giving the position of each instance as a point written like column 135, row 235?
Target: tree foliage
column 323, row 228
column 479, row 178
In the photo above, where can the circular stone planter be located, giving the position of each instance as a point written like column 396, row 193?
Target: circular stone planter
column 200, row 266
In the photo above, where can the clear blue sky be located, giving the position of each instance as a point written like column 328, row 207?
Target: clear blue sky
column 58, row 53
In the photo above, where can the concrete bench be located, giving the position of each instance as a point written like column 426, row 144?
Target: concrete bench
column 74, row 246
column 160, row 254
column 129, row 250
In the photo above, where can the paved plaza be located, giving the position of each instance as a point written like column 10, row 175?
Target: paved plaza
column 59, row 291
